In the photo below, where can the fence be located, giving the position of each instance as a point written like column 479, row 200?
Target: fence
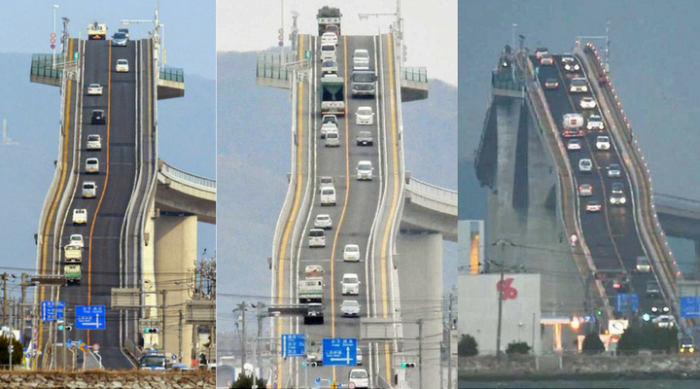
column 42, row 66
column 187, row 178
column 415, row 74
column 172, row 74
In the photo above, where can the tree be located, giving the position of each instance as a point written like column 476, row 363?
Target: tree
column 245, row 382
column 592, row 344
column 467, row 346
column 517, row 348
column 17, row 351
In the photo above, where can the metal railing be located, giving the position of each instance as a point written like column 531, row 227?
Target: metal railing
column 272, row 65
column 172, row 74
column 183, row 177
column 42, row 66
column 132, row 349
column 417, row 74
column 433, row 192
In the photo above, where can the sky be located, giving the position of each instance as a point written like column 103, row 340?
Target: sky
column 194, row 29
column 652, row 45
column 426, row 25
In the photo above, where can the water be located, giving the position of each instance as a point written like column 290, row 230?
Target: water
column 604, row 384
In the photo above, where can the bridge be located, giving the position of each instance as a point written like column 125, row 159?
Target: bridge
column 140, row 235
column 537, row 187
column 398, row 222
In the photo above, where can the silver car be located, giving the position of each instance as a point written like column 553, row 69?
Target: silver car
column 92, row 165
column 89, row 189
column 323, row 221
column 350, row 308
column 119, row 39
column 364, row 170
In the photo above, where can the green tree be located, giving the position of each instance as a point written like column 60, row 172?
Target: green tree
column 245, row 382
column 592, row 344
column 467, row 346
column 17, row 351
column 517, row 348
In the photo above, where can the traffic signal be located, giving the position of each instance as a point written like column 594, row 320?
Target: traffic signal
column 62, row 327
column 150, row 330
column 408, row 365
column 575, row 324
column 598, row 313
column 646, row 317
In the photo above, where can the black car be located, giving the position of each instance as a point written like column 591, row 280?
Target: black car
column 365, row 138
column 98, row 117
column 314, row 315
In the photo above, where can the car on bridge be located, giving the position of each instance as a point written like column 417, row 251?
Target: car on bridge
column 687, row 346
column 79, row 216
column 350, row 308
column 364, row 138
column 329, row 38
column 364, row 116
column 119, row 39
column 573, row 144
column 585, row 190
column 360, row 59
column 125, row 31
column 642, row 264
column 617, row 195
column 364, row 170
column 587, row 102
column 328, row 196
column 94, row 142
column 329, row 66
column 551, row 83
column 358, row 378
column 593, row 206
column 332, row 139
column 602, row 142
column 578, row 85
column 350, row 284
column 541, row 50
column 98, row 117
column 585, row 165
column 325, row 182
column 546, row 59
column 328, row 127
column 76, row 240
column 622, row 284
column 92, row 166
column 89, row 190
column 570, row 64
column 323, row 221
column 652, row 289
column 122, row 66
column 573, row 133
column 664, row 321
column 329, row 119
column 94, row 90
column 317, row 238
column 314, row 314
column 614, row 170
column 351, row 253
column 358, row 356
column 595, row 122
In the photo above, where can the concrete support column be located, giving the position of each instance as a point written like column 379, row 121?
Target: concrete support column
column 175, row 259
column 421, row 264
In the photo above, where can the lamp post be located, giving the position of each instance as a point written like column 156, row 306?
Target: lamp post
column 53, row 36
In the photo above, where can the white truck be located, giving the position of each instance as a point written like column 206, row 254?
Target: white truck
column 73, row 254
column 97, row 31
column 80, row 216
column 310, row 291
column 313, row 272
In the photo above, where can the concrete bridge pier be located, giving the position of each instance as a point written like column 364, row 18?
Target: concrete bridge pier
column 175, row 260
column 420, row 263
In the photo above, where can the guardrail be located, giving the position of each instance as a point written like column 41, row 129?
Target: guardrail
column 272, row 66
column 433, row 192
column 42, row 66
column 172, row 74
column 416, row 74
column 132, row 349
column 186, row 178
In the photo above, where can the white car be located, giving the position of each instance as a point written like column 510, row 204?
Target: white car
column 585, row 165
column 323, row 221
column 364, row 116
column 617, row 194
column 350, row 284
column 358, row 356
column 329, row 37
column 350, row 308
column 614, row 170
column 587, row 103
column 570, row 64
column 359, row 378
column 360, row 59
column 351, row 253
column 330, row 119
column 602, row 142
column 332, row 139
column 80, row 216
column 364, row 170
column 92, row 166
column 595, row 122
column 328, row 127
column 573, row 144
column 122, row 65
column 593, row 206
column 76, row 240
column 94, row 89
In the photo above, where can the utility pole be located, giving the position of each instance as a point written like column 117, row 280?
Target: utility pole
column 179, row 338
column 261, row 316
column 502, row 243
column 242, row 308
column 449, row 339
column 24, row 298
column 420, row 351
column 4, row 298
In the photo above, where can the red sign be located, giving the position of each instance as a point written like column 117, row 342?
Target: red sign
column 507, row 291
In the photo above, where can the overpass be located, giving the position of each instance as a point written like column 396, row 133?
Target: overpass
column 535, row 181
column 389, row 217
column 141, row 230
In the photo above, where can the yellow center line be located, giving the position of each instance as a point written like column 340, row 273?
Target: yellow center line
column 295, row 209
column 394, row 197
column 64, row 161
column 347, row 192
column 104, row 189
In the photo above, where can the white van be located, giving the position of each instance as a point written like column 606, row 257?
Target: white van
column 329, row 37
column 94, row 142
column 359, row 378
column 332, row 139
column 317, row 238
column 360, row 59
column 89, row 189
column 80, row 216
column 364, row 170
column 92, row 165
column 578, row 85
column 328, row 195
column 327, row 51
column 573, row 120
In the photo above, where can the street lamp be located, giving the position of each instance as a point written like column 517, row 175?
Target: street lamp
column 53, row 37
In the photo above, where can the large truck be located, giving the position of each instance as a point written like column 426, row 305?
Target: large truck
column 332, row 95
column 328, row 17
column 153, row 362
column 363, row 83
column 97, row 31
column 313, row 272
column 73, row 254
column 310, row 291
column 72, row 273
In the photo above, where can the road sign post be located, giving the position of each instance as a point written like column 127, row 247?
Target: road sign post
column 90, row 317
column 690, row 306
column 48, row 311
column 293, row 345
column 340, row 351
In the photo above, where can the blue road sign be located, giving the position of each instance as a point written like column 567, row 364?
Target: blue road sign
column 627, row 302
column 48, row 311
column 174, row 357
column 293, row 345
column 340, row 351
column 690, row 306
column 60, row 309
column 318, row 380
column 69, row 343
column 27, row 355
column 90, row 317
